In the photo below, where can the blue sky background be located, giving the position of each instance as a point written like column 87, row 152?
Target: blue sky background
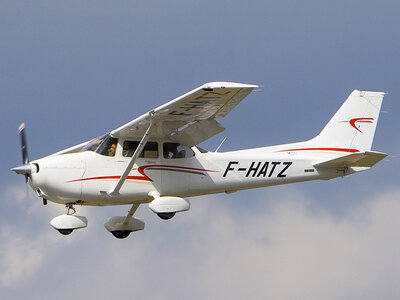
column 73, row 70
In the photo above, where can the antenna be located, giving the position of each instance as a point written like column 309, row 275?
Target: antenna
column 216, row 150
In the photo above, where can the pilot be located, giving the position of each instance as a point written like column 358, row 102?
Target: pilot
column 111, row 151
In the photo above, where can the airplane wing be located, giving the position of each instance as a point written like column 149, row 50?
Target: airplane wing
column 363, row 159
column 190, row 118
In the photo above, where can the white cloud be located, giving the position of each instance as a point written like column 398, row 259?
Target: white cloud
column 20, row 256
column 283, row 250
column 292, row 253
column 27, row 236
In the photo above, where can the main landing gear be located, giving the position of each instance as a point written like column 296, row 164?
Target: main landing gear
column 122, row 226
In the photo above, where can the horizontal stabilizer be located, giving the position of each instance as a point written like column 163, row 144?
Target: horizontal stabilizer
column 363, row 159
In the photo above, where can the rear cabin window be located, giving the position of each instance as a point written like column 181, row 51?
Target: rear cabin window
column 150, row 150
column 176, row 150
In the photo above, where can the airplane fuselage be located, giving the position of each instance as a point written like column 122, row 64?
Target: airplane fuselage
column 87, row 177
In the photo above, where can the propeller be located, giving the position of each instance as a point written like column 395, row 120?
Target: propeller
column 26, row 168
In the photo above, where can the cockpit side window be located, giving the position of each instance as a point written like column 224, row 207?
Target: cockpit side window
column 176, row 150
column 108, row 146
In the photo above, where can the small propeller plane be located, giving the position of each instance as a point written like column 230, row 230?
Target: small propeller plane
column 154, row 159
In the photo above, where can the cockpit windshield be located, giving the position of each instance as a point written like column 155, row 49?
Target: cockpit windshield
column 93, row 144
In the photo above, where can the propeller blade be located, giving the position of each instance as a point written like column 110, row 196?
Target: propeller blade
column 24, row 147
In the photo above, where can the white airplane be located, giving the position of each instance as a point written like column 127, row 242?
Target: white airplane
column 154, row 158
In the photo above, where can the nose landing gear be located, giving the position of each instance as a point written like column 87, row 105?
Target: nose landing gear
column 67, row 223
column 70, row 206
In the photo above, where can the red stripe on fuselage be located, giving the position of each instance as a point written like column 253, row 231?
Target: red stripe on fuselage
column 141, row 171
column 322, row 149
column 112, row 177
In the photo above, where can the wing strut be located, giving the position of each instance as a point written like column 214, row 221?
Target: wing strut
column 135, row 155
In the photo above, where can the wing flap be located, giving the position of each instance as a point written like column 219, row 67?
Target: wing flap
column 364, row 159
column 197, row 132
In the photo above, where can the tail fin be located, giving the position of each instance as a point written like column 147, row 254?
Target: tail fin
column 353, row 126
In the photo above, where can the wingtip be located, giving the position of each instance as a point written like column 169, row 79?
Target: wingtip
column 366, row 93
column 21, row 127
column 226, row 84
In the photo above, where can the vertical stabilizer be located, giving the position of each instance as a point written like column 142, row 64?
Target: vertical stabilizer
column 353, row 126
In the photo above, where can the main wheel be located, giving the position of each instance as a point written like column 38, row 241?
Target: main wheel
column 121, row 234
column 65, row 231
column 166, row 216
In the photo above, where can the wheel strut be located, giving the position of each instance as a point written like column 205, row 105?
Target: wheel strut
column 70, row 206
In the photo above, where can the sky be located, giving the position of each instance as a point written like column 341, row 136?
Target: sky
column 73, row 70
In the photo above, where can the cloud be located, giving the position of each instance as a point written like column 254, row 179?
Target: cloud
column 289, row 251
column 284, row 249
column 20, row 256
column 25, row 236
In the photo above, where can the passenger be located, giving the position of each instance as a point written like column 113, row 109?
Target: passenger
column 181, row 152
column 170, row 150
column 127, row 149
